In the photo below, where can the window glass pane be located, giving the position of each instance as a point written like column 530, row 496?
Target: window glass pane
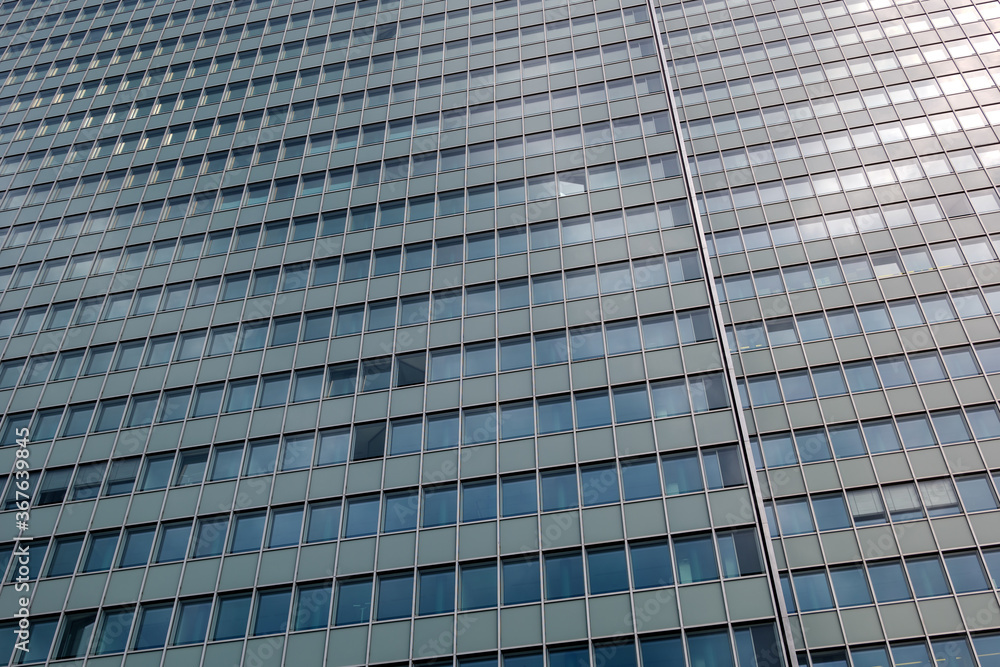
column 478, row 586
column 521, row 581
column 927, row 576
column 191, row 625
column 112, row 637
column 607, row 570
column 850, row 586
column 889, row 581
column 695, row 557
column 154, row 620
column 173, row 542
column 966, row 572
column 563, row 575
column 272, row 611
column 812, row 590
column 232, row 613
column 362, row 517
column 437, row 591
column 395, row 596
column 312, row 606
column 518, row 495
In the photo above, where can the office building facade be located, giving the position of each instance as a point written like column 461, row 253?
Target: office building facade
column 612, row 332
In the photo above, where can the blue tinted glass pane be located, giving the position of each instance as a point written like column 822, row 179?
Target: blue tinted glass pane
column 563, row 575
column 527, row 659
column 593, row 409
column 682, row 473
column 312, row 609
column 710, row 648
column 247, row 533
column 400, row 512
column 607, row 569
column 479, row 586
column 870, row 657
column 362, row 517
column 354, row 599
column 578, row 656
column 695, row 558
column 987, row 649
column 951, row 652
column 831, row 512
column 395, row 597
column 812, row 590
column 479, row 501
column 192, row 623
column 521, row 581
column 153, row 624
column 910, row 654
column 850, row 586
column 518, row 495
column 559, row 490
column 599, row 484
column 651, row 564
column 437, row 592
column 966, row 572
column 272, row 612
column 793, row 515
column 889, row 582
column 661, row 651
column 927, row 577
column 640, row 479
column 440, row 506
column 231, row 617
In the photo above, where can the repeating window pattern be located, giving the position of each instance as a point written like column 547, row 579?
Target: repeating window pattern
column 218, row 265
column 266, row 225
column 792, row 189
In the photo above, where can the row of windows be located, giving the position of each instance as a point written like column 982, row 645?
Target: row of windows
column 858, row 268
column 559, row 489
column 844, row 223
column 584, row 58
column 950, row 651
column 417, row 256
column 705, row 63
column 933, row 308
column 239, row 90
column 865, row 507
column 934, row 164
column 847, row 103
column 927, row 578
column 485, row 245
column 848, row 222
column 881, row 435
column 845, row 322
column 370, row 173
column 698, row 558
column 11, row 27
column 327, row 106
column 370, row 134
column 448, row 363
column 861, row 375
column 441, row 305
column 452, row 202
column 158, row 22
column 897, row 94
column 771, row 192
column 814, row 16
column 340, row 40
column 157, row 624
column 478, row 425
